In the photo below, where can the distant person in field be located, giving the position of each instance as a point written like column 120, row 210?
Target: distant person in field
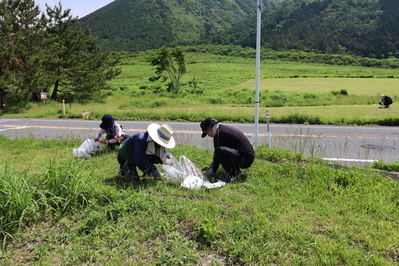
column 386, row 101
column 114, row 132
column 144, row 149
column 232, row 149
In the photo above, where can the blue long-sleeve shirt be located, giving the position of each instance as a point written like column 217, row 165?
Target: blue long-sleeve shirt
column 133, row 150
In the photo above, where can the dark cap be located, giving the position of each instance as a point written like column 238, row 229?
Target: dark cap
column 108, row 121
column 206, row 124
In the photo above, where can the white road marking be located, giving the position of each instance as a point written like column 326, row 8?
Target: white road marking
column 13, row 128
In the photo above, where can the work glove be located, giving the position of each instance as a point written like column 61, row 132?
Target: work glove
column 209, row 172
column 156, row 173
column 207, row 168
column 96, row 139
column 168, row 161
column 104, row 141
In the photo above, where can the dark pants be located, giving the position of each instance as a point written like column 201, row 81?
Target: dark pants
column 128, row 170
column 231, row 160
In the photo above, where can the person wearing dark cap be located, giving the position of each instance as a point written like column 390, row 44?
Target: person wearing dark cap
column 114, row 132
column 144, row 149
column 232, row 149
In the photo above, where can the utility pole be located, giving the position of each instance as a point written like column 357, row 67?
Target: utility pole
column 258, row 31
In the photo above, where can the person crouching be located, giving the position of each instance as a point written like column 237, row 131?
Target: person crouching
column 144, row 150
column 232, row 149
column 386, row 101
column 114, row 132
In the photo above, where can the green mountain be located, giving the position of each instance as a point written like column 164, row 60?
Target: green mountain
column 368, row 28
column 133, row 25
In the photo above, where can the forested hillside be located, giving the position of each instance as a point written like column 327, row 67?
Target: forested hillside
column 368, row 28
column 133, row 25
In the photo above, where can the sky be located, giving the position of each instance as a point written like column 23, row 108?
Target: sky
column 79, row 8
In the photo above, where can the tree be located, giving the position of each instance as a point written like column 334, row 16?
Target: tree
column 21, row 34
column 74, row 61
column 38, row 52
column 171, row 61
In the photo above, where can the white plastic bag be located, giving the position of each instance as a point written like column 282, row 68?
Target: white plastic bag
column 181, row 169
column 208, row 184
column 192, row 182
column 87, row 148
column 172, row 174
column 185, row 173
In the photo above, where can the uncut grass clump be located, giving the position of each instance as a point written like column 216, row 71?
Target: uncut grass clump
column 71, row 185
column 20, row 201
column 390, row 167
column 298, row 119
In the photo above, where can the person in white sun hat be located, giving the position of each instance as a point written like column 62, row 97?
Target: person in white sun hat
column 144, row 149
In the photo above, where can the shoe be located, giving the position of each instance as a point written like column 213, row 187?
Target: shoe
column 230, row 177
column 122, row 173
column 208, row 172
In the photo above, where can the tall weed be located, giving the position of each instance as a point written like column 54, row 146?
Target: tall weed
column 72, row 184
column 20, row 201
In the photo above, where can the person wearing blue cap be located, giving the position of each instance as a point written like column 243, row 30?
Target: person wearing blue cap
column 232, row 149
column 114, row 132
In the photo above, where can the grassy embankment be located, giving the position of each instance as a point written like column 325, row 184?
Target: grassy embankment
column 224, row 88
column 285, row 210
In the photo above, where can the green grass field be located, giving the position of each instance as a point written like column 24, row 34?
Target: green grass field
column 225, row 90
column 285, row 210
column 356, row 86
column 228, row 92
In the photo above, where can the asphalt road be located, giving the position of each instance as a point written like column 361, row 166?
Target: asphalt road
column 352, row 145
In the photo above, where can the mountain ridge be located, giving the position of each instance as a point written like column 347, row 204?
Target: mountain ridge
column 367, row 28
column 133, row 25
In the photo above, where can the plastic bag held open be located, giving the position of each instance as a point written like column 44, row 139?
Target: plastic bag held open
column 185, row 173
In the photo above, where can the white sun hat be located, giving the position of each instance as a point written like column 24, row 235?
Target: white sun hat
column 163, row 135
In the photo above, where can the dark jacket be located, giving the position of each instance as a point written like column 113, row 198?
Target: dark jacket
column 133, row 151
column 233, row 138
column 387, row 100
